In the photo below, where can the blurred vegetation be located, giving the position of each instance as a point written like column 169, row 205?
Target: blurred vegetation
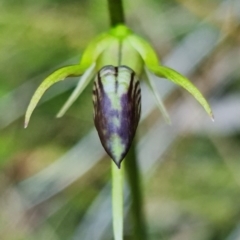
column 191, row 192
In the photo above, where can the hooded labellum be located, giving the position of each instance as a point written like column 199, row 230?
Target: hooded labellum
column 117, row 108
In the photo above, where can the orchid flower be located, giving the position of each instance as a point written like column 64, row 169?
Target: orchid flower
column 117, row 59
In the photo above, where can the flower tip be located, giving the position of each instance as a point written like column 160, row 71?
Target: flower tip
column 59, row 115
column 212, row 117
column 25, row 124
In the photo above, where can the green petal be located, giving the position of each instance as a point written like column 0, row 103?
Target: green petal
column 130, row 57
column 144, row 49
column 177, row 78
column 110, row 55
column 83, row 82
column 159, row 101
column 60, row 74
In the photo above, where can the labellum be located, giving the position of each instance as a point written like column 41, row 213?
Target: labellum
column 117, row 108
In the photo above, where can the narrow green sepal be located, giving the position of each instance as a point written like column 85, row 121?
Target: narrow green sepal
column 58, row 75
column 83, row 82
column 179, row 79
column 159, row 101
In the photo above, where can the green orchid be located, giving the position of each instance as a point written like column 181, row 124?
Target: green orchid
column 117, row 59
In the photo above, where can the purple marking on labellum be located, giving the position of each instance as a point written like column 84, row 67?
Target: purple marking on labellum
column 120, row 122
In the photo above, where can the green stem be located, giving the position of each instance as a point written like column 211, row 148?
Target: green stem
column 116, row 13
column 134, row 181
column 117, row 200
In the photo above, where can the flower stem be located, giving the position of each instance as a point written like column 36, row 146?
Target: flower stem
column 134, row 182
column 116, row 12
column 117, row 201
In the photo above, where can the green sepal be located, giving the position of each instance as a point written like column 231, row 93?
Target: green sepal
column 58, row 75
column 83, row 82
column 177, row 78
column 159, row 101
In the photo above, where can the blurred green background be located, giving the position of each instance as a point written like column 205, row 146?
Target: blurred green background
column 55, row 176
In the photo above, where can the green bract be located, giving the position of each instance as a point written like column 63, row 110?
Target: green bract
column 117, row 59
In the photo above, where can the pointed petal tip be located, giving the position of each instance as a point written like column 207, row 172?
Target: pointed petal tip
column 159, row 101
column 59, row 115
column 212, row 117
column 62, row 111
column 25, row 124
